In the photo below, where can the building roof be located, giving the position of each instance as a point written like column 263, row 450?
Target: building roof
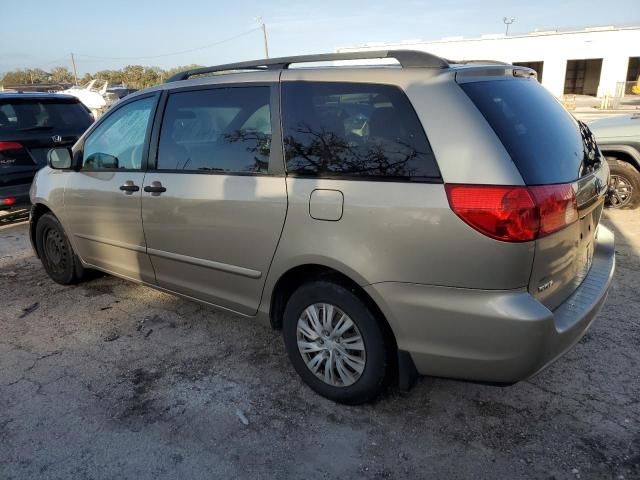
column 498, row 36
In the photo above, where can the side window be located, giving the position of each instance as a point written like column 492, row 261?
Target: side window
column 217, row 130
column 354, row 130
column 8, row 117
column 118, row 142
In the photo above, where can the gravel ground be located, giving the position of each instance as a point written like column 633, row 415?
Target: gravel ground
column 113, row 380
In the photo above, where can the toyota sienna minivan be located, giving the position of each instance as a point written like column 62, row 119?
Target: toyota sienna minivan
column 427, row 217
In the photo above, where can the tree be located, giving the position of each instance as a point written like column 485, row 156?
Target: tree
column 133, row 76
column 61, row 75
column 27, row 76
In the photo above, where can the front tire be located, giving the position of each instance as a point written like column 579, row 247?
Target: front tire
column 335, row 342
column 624, row 185
column 56, row 253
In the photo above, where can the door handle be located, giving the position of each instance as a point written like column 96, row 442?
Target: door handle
column 128, row 187
column 155, row 188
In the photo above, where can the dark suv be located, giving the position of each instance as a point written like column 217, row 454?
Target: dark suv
column 30, row 124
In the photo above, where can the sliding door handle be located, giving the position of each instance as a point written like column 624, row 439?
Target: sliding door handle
column 155, row 188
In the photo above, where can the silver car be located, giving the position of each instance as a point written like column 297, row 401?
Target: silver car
column 430, row 217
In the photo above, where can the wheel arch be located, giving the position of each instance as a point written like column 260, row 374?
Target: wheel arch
column 37, row 211
column 295, row 276
column 624, row 153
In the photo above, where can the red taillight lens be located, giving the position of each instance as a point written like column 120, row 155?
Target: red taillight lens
column 10, row 146
column 503, row 213
column 514, row 213
column 7, row 202
column 557, row 206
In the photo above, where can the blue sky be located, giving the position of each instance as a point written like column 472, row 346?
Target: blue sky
column 38, row 33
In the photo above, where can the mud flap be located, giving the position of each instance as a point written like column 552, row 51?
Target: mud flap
column 407, row 372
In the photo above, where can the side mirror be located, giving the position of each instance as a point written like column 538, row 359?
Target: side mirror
column 60, row 158
column 102, row 161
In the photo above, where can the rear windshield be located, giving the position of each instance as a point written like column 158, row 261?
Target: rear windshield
column 43, row 114
column 542, row 138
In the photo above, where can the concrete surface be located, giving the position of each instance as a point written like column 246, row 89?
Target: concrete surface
column 113, row 380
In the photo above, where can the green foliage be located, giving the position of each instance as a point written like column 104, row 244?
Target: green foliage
column 133, row 76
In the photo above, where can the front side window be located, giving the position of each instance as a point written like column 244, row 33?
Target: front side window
column 118, row 142
column 225, row 130
column 354, row 130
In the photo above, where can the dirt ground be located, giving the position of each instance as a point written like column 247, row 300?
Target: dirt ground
column 113, row 380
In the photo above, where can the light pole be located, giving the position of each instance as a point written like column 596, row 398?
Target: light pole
column 264, row 36
column 508, row 21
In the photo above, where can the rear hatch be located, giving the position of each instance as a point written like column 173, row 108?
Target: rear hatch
column 554, row 153
column 30, row 126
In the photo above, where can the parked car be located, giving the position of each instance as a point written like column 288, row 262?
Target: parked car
column 30, row 124
column 619, row 140
column 450, row 228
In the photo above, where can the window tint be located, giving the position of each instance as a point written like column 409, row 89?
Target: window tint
column 542, row 138
column 357, row 130
column 218, row 130
column 43, row 114
column 118, row 142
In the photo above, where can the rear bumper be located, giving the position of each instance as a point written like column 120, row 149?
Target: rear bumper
column 492, row 336
column 20, row 194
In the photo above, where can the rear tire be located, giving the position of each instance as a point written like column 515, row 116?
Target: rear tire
column 347, row 350
column 56, row 253
column 624, row 185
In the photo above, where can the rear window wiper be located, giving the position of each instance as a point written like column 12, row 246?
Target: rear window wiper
column 32, row 129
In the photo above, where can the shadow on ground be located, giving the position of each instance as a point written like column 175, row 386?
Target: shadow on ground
column 113, row 380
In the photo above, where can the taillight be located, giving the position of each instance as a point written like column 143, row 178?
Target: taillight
column 514, row 213
column 557, row 206
column 10, row 146
column 7, row 202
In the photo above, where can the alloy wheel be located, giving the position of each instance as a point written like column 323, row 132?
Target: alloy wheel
column 620, row 191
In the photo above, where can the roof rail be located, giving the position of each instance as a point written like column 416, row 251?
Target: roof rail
column 478, row 62
column 406, row 58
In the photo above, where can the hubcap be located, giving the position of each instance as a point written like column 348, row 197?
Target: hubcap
column 331, row 344
column 55, row 252
column 620, row 191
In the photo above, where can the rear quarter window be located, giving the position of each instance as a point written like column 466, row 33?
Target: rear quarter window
column 355, row 130
column 542, row 138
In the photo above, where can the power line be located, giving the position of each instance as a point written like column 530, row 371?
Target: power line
column 172, row 53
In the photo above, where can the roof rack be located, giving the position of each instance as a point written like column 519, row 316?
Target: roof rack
column 406, row 58
column 478, row 62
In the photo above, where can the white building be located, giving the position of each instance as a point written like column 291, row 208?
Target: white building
column 585, row 62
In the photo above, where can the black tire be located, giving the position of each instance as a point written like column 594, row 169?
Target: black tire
column 373, row 378
column 627, row 197
column 56, row 254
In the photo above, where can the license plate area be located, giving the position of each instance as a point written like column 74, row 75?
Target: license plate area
column 584, row 258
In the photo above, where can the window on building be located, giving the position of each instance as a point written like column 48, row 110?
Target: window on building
column 361, row 130
column 633, row 76
column 583, row 77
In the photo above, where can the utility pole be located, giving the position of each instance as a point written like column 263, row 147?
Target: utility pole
column 75, row 73
column 508, row 21
column 264, row 36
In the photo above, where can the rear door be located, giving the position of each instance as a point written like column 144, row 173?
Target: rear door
column 214, row 206
column 102, row 199
column 549, row 147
